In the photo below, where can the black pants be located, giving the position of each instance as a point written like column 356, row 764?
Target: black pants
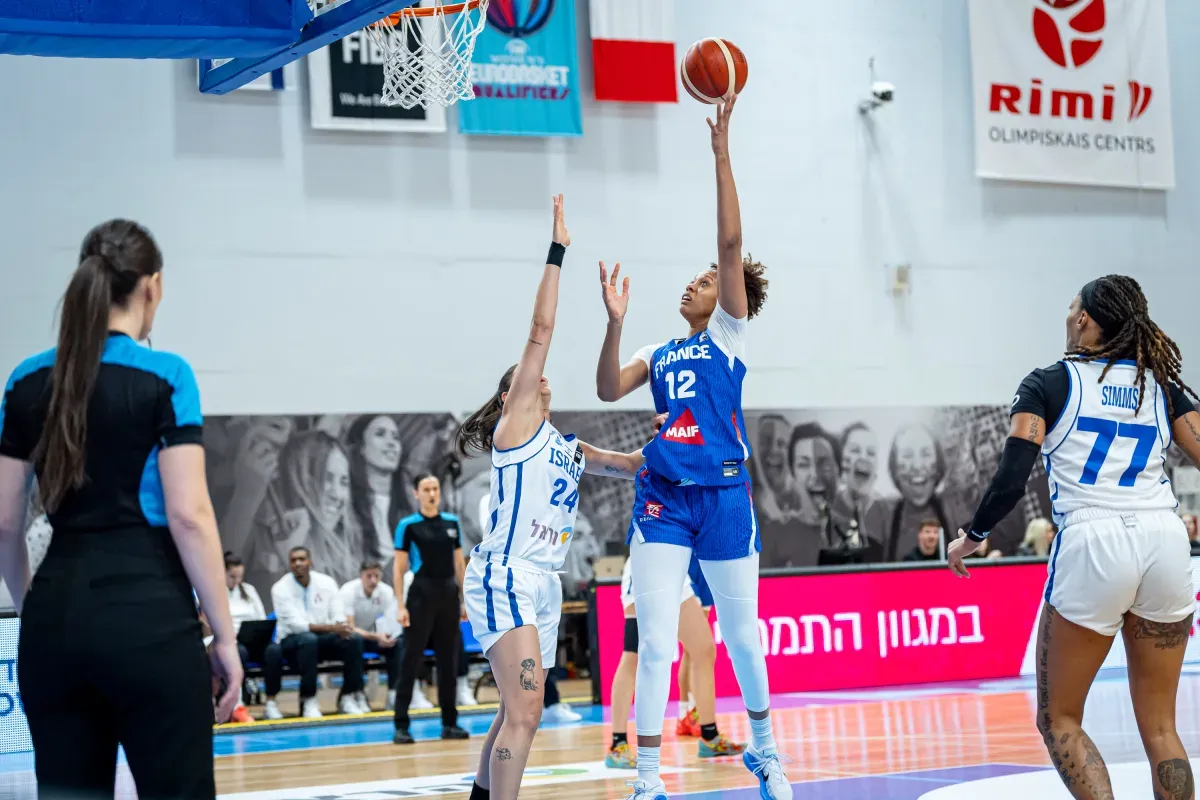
column 305, row 650
column 270, row 658
column 433, row 608
column 111, row 653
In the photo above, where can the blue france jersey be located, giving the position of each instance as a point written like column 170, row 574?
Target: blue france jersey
column 698, row 382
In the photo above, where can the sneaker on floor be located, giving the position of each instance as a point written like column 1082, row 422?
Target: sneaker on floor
column 623, row 756
column 454, row 732
column 465, row 697
column 767, row 767
column 240, row 714
column 391, row 700
column 310, row 708
column 688, row 725
column 271, row 710
column 419, row 701
column 560, row 713
column 643, row 791
column 360, row 698
column 348, row 704
column 719, row 747
column 402, row 737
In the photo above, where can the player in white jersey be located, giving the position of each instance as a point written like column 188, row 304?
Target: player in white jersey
column 512, row 595
column 1102, row 419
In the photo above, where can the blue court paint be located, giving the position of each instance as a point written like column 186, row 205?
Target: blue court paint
column 908, row 786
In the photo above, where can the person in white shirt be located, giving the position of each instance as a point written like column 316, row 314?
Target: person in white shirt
column 246, row 606
column 370, row 605
column 311, row 626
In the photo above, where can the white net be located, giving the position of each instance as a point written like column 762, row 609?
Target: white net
column 427, row 52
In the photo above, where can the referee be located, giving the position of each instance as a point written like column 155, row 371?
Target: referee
column 432, row 541
column 110, row 650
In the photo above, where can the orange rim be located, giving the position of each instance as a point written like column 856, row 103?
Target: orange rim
column 418, row 12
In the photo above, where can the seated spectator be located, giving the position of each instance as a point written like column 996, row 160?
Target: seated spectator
column 366, row 599
column 1039, row 533
column 929, row 537
column 245, row 606
column 312, row 626
column 1189, row 521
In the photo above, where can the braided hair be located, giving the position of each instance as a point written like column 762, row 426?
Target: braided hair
column 1119, row 307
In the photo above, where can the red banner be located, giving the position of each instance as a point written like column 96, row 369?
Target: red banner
column 855, row 630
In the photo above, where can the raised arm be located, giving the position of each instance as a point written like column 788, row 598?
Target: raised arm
column 614, row 381
column 523, row 411
column 614, row 465
column 731, row 282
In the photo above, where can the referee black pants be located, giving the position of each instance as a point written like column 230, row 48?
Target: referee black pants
column 433, row 610
column 111, row 653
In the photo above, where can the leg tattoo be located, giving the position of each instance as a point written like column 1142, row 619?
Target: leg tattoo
column 1073, row 753
column 1165, row 635
column 1176, row 778
column 503, row 754
column 528, row 681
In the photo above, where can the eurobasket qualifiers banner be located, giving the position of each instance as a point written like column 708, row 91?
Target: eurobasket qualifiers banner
column 1072, row 91
column 526, row 72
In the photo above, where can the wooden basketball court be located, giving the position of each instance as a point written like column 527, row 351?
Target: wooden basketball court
column 964, row 742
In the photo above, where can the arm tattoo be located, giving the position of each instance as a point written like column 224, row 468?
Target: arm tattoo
column 528, row 681
column 1034, row 430
column 610, row 469
column 1175, row 776
column 503, row 754
column 1191, row 428
column 1165, row 635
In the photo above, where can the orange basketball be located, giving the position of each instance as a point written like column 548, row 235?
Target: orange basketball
column 707, row 68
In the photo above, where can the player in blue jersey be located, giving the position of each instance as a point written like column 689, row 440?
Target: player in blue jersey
column 512, row 594
column 694, row 493
column 1103, row 418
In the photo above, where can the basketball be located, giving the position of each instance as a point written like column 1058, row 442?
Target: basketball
column 707, row 69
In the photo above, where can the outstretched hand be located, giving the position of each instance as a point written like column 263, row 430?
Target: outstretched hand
column 561, row 235
column 615, row 300
column 960, row 548
column 720, row 128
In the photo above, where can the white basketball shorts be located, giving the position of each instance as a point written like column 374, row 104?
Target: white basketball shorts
column 1105, row 563
column 501, row 598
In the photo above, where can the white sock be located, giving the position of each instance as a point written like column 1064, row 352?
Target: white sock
column 684, row 708
column 762, row 738
column 647, row 758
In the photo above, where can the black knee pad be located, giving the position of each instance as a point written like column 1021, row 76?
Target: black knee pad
column 631, row 635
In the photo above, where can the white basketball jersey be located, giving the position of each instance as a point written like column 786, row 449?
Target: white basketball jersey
column 535, row 494
column 1101, row 453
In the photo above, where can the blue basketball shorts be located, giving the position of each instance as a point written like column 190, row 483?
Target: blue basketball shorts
column 717, row 523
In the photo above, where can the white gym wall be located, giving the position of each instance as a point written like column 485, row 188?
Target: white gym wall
column 326, row 272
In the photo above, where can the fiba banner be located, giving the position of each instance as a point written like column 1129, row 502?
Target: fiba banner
column 869, row 629
column 1072, row 91
column 345, row 87
column 525, row 70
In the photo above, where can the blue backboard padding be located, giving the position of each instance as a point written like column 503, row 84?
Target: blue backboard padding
column 149, row 28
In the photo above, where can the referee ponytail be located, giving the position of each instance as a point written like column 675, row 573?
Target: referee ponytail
column 1118, row 306
column 477, row 431
column 114, row 257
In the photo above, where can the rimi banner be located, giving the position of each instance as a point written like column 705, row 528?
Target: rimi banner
column 1072, row 91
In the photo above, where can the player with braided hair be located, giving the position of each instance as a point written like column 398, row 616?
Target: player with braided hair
column 1103, row 418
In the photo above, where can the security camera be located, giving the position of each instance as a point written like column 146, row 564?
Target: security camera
column 882, row 93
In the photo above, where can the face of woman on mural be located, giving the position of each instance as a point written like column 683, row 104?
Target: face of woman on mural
column 916, row 465
column 335, row 489
column 860, row 460
column 381, row 444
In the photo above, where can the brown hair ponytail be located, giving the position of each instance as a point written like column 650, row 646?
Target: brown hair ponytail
column 477, row 431
column 114, row 257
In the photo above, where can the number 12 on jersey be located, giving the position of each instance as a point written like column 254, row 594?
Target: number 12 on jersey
column 687, row 379
column 1107, row 431
column 560, row 486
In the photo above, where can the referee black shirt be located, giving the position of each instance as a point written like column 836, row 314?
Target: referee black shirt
column 430, row 543
column 143, row 401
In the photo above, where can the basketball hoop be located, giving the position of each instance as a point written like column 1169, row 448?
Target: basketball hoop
column 427, row 52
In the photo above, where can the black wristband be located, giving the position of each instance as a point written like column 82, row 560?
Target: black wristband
column 555, row 257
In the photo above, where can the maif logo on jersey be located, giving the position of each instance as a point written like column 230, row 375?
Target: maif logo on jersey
column 683, row 430
column 1072, row 91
